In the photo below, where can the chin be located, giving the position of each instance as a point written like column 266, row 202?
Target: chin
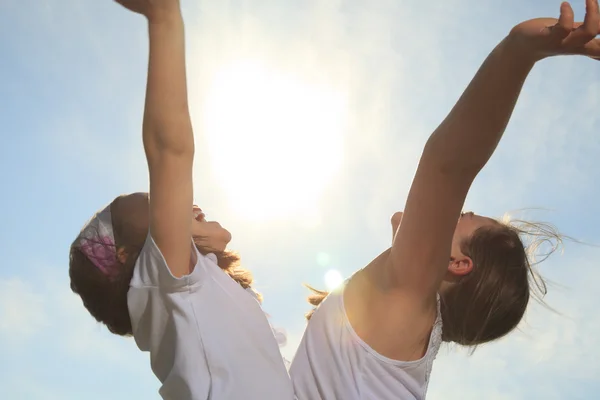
column 226, row 236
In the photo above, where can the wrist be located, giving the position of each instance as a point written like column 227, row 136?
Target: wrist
column 165, row 16
column 520, row 55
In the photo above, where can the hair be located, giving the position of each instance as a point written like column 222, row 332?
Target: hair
column 105, row 295
column 491, row 300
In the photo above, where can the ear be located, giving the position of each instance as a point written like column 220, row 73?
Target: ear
column 460, row 266
column 122, row 255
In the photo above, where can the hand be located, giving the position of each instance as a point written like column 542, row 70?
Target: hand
column 547, row 37
column 154, row 10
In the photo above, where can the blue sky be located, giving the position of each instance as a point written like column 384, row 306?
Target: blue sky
column 304, row 158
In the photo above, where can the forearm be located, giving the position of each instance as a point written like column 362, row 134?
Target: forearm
column 167, row 126
column 466, row 139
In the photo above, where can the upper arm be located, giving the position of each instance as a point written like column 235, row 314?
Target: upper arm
column 171, row 198
column 422, row 245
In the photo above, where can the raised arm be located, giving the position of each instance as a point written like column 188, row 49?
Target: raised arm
column 167, row 133
column 463, row 143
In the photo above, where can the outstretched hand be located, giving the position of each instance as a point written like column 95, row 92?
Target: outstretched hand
column 547, row 37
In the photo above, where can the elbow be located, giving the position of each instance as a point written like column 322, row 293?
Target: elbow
column 174, row 140
column 182, row 149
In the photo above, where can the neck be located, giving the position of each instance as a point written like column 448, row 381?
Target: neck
column 378, row 272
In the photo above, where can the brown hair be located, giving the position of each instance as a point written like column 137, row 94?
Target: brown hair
column 489, row 302
column 105, row 295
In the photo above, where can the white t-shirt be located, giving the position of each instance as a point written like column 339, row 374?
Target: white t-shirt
column 334, row 363
column 208, row 338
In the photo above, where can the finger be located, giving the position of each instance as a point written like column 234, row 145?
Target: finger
column 565, row 23
column 592, row 49
column 589, row 29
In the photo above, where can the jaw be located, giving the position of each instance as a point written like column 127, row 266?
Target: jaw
column 215, row 239
column 449, row 281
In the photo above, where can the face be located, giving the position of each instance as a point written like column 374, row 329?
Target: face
column 135, row 209
column 208, row 234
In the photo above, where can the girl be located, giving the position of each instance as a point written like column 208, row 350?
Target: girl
column 467, row 282
column 138, row 271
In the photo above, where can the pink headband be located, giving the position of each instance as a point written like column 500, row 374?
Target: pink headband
column 97, row 242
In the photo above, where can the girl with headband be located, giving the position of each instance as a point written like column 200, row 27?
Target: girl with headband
column 137, row 268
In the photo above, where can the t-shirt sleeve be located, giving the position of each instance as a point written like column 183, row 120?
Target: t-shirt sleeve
column 151, row 269
column 164, row 323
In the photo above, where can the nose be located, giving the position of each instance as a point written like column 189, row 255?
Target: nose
column 198, row 214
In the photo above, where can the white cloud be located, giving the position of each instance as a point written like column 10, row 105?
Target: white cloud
column 30, row 311
column 22, row 310
column 57, row 344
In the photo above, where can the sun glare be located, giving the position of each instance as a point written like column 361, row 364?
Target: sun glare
column 333, row 279
column 275, row 141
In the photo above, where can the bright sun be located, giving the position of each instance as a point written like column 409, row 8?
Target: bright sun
column 333, row 279
column 275, row 141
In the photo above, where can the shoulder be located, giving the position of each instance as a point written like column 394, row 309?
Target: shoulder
column 151, row 269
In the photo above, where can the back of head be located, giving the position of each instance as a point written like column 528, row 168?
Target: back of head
column 101, row 265
column 105, row 297
column 491, row 300
column 102, row 259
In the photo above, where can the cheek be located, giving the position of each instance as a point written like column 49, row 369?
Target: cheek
column 455, row 249
column 197, row 228
column 462, row 231
column 465, row 227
